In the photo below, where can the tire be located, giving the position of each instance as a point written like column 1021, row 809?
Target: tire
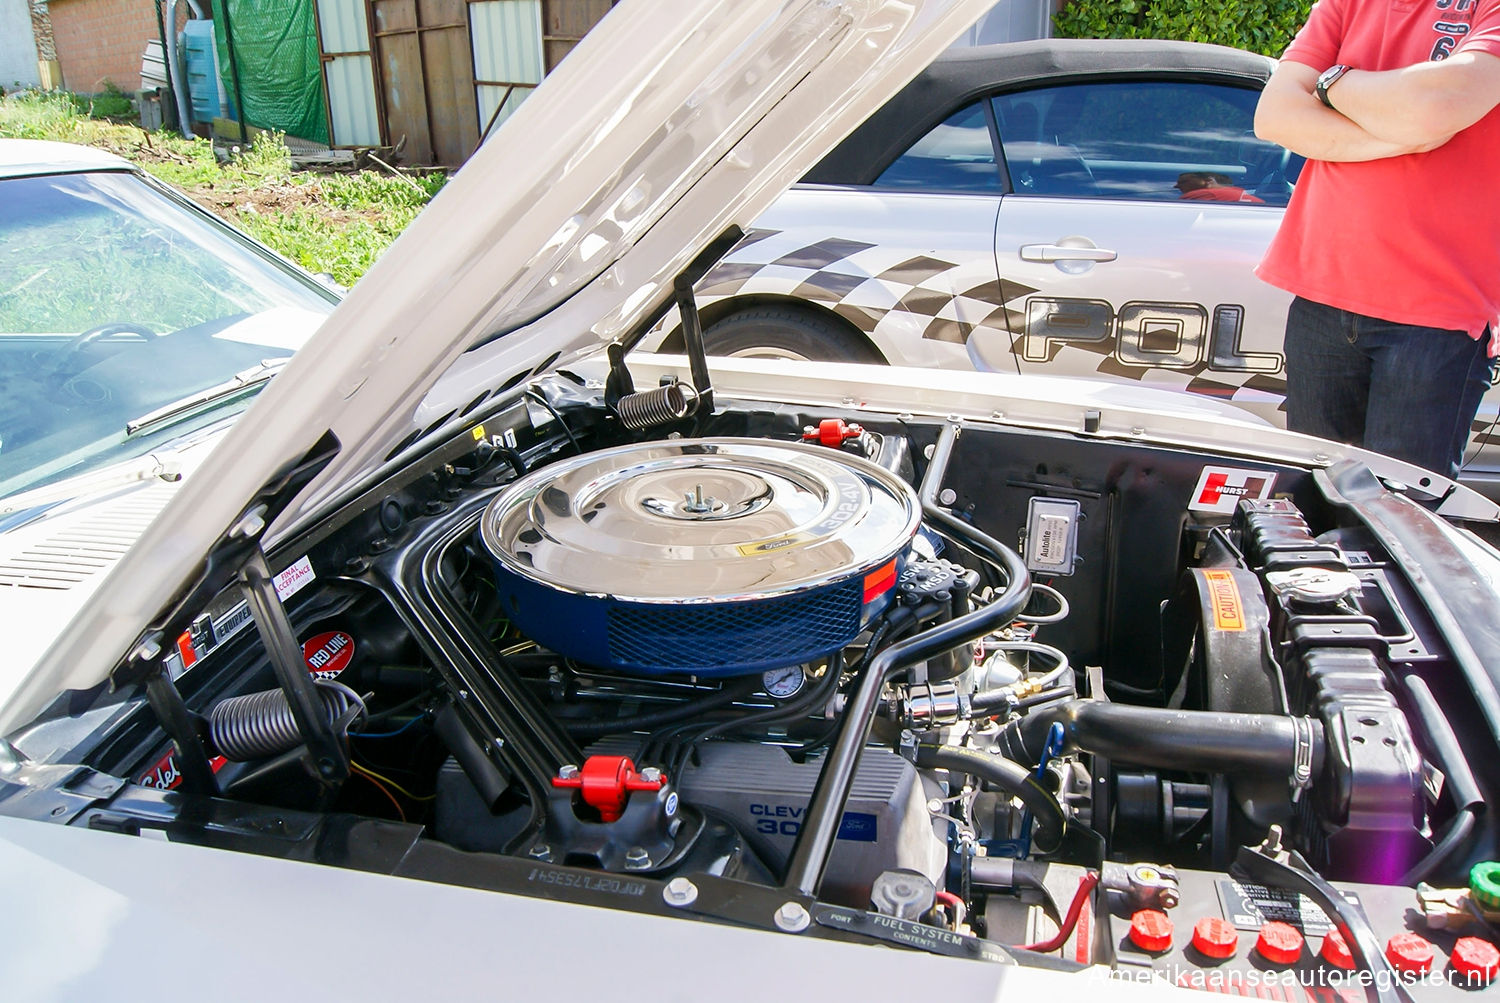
column 786, row 333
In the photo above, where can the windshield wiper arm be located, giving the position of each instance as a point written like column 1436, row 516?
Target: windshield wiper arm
column 240, row 383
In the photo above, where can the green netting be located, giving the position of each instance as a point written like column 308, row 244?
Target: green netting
column 276, row 49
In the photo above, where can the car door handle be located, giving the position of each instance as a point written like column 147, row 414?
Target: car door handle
column 1057, row 252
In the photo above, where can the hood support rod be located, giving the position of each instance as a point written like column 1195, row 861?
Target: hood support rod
column 326, row 759
column 692, row 342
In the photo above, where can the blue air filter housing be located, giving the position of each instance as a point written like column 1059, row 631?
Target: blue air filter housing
column 716, row 557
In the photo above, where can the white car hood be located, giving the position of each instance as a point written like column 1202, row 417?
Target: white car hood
column 672, row 122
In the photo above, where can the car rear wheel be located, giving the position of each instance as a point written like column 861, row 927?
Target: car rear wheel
column 786, row 333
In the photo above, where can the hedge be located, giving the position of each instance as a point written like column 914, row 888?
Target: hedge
column 1265, row 27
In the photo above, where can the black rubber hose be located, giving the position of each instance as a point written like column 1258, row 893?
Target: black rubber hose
column 1007, row 872
column 825, row 811
column 1012, row 778
column 999, row 700
column 721, row 697
column 1462, row 786
column 1199, row 741
column 1439, row 733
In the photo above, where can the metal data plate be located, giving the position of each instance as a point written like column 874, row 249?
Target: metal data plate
column 1052, row 535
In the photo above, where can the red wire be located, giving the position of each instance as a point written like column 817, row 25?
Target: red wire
column 1085, row 886
column 949, row 899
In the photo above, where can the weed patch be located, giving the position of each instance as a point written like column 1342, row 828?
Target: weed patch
column 334, row 223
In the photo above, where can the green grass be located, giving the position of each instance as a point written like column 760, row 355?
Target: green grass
column 334, row 223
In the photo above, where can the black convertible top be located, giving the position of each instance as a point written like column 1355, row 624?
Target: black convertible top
column 958, row 77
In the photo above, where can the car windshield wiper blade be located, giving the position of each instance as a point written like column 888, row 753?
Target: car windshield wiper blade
column 240, row 383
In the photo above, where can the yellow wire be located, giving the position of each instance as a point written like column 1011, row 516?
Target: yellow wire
column 369, row 772
column 381, row 788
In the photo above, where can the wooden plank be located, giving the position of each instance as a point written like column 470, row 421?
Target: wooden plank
column 404, row 91
column 448, row 70
column 394, row 15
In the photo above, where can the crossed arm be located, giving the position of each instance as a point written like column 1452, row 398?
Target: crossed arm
column 1377, row 114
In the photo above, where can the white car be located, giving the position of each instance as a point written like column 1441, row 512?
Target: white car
column 486, row 657
column 134, row 329
column 1073, row 207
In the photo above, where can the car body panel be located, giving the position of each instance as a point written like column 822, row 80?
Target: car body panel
column 728, row 101
column 466, row 366
column 1178, row 307
column 70, row 515
column 98, row 906
column 1147, row 315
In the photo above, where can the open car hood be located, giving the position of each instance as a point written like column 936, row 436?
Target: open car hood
column 674, row 122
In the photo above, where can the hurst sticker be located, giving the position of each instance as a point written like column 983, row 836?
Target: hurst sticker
column 1220, row 489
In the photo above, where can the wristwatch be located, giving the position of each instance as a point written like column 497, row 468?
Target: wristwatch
column 1327, row 79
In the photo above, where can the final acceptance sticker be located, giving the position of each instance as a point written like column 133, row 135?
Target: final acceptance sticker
column 1220, row 489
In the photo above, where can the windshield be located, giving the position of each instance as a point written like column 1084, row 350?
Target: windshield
column 116, row 300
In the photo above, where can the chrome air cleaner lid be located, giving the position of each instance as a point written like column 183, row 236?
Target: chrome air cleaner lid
column 715, row 557
column 701, row 521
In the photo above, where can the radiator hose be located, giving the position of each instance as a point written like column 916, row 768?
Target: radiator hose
column 1199, row 740
column 1012, row 778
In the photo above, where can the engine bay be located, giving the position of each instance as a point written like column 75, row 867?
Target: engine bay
column 951, row 685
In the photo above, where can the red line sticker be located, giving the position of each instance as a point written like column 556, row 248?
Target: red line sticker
column 879, row 582
column 328, row 654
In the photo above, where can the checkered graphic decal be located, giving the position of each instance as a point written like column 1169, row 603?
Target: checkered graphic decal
column 866, row 283
column 1082, row 358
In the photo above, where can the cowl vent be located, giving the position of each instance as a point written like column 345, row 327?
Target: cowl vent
column 84, row 543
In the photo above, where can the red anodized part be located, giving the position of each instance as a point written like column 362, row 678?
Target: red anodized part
column 1409, row 952
column 833, row 431
column 1279, row 943
column 1215, row 938
column 1476, row 959
column 1335, row 951
column 606, row 782
column 1151, row 931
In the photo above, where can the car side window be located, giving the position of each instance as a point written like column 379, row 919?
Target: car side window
column 1146, row 139
column 958, row 155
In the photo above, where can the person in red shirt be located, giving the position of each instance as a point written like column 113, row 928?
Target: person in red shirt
column 1208, row 186
column 1391, row 242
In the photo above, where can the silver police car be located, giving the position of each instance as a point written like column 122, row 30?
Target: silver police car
column 1067, row 207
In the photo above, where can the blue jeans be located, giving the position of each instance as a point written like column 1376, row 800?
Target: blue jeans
column 1406, row 391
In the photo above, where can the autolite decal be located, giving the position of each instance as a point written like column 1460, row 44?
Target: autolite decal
column 1229, row 611
column 328, row 654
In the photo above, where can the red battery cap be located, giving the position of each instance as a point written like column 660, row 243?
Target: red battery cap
column 1478, row 961
column 1214, row 938
column 1279, row 943
column 1335, row 951
column 1409, row 952
column 1151, row 931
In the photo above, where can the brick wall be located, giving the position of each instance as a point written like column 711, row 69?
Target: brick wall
column 99, row 40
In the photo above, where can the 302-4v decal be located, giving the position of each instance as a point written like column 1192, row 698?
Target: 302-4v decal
column 1144, row 334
